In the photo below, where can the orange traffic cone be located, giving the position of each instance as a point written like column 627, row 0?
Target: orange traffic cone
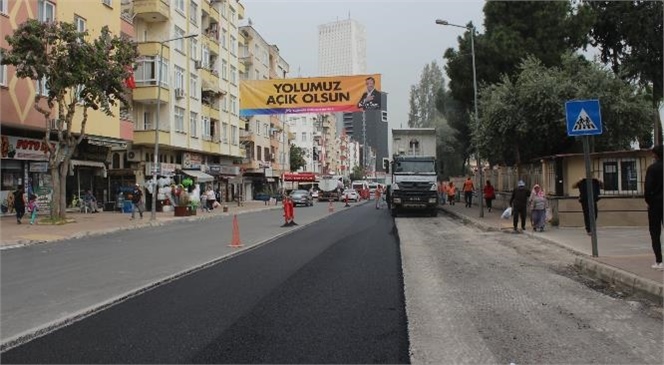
column 330, row 208
column 236, row 243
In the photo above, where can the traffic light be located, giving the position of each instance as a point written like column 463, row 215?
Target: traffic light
column 386, row 164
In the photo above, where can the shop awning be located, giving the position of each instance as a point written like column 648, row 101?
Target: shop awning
column 199, row 175
column 94, row 164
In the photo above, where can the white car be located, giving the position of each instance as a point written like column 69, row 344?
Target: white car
column 351, row 194
column 314, row 194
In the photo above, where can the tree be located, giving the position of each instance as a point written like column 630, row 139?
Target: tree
column 357, row 173
column 79, row 73
column 524, row 118
column 297, row 160
column 423, row 112
column 629, row 37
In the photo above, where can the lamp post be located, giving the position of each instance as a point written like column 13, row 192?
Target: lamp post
column 155, row 167
column 477, row 152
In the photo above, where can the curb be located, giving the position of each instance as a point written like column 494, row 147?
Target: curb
column 85, row 234
column 599, row 270
column 52, row 326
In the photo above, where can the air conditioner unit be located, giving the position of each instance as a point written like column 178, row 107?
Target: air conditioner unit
column 198, row 64
column 133, row 156
column 179, row 93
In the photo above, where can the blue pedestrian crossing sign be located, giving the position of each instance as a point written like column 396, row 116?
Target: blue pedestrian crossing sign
column 583, row 118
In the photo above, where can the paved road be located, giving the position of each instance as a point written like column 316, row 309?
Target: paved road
column 47, row 283
column 329, row 293
column 477, row 297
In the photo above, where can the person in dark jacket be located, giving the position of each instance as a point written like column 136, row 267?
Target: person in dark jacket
column 583, row 199
column 519, row 204
column 19, row 203
column 653, row 197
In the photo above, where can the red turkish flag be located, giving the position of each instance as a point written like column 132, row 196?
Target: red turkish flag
column 130, row 81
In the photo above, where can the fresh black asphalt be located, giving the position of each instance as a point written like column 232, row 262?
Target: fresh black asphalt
column 329, row 293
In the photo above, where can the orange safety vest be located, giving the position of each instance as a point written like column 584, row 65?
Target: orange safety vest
column 451, row 190
column 468, row 186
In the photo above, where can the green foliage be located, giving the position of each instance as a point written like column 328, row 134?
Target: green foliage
column 423, row 112
column 525, row 118
column 68, row 61
column 297, row 160
column 357, row 173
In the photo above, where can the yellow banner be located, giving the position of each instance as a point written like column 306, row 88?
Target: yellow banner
column 310, row 95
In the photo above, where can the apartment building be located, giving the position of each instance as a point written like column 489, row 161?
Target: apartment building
column 266, row 139
column 22, row 127
column 187, row 93
column 304, row 128
column 327, row 144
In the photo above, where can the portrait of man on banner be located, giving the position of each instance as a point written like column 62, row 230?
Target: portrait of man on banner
column 370, row 100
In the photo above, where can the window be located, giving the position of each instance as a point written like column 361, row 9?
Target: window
column 46, row 11
column 258, row 128
column 207, row 128
column 147, row 121
column 232, row 18
column 610, row 175
column 179, row 119
column 224, row 103
column 193, row 49
column 233, row 75
column 179, row 6
column 193, row 12
column 224, row 69
column 224, row 35
column 304, row 136
column 179, row 44
column 223, row 8
column 3, row 71
column 3, row 6
column 628, row 175
column 233, row 104
column 193, row 124
column 259, row 153
column 193, row 86
column 178, row 80
column 205, row 57
column 234, row 139
column 146, row 71
column 224, row 132
column 266, row 153
column 80, row 23
column 258, row 75
column 233, row 45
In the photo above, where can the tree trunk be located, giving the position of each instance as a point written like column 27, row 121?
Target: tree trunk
column 658, row 124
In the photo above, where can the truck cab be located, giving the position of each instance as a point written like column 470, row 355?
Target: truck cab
column 414, row 184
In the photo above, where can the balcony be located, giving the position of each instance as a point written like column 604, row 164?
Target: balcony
column 246, row 57
column 240, row 11
column 152, row 10
column 148, row 94
column 210, row 80
column 242, row 69
column 247, row 136
column 152, row 49
column 211, row 40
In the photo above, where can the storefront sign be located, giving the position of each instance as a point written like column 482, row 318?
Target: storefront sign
column 300, row 177
column 19, row 148
column 164, row 169
column 223, row 170
column 38, row 166
column 191, row 160
column 44, row 198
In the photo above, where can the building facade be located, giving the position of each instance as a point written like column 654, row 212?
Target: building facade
column 24, row 161
column 192, row 105
column 265, row 138
column 304, row 129
column 342, row 48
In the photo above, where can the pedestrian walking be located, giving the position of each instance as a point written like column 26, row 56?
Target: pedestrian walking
column 583, row 199
column 442, row 192
column 468, row 189
column 378, row 194
column 451, row 193
column 538, row 206
column 489, row 194
column 204, row 207
column 519, row 204
column 654, row 199
column 137, row 201
column 32, row 208
column 19, row 203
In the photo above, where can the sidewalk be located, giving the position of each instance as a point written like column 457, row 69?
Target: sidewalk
column 625, row 253
column 13, row 234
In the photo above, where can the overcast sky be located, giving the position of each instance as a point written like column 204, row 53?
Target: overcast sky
column 401, row 36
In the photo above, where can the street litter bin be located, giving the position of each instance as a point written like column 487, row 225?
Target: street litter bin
column 127, row 206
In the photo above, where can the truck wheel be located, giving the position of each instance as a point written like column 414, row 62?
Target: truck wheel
column 434, row 212
column 394, row 212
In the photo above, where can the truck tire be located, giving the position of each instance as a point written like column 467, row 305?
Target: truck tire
column 434, row 212
column 394, row 212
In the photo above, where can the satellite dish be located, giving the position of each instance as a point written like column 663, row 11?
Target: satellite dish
column 249, row 21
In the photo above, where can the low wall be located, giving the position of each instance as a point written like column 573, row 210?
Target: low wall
column 613, row 211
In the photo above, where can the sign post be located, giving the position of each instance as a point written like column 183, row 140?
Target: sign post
column 584, row 120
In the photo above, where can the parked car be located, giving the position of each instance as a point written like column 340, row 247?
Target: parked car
column 301, row 197
column 314, row 194
column 352, row 195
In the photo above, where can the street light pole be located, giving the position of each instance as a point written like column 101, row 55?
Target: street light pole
column 155, row 167
column 477, row 152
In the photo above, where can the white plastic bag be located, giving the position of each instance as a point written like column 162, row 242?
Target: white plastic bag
column 549, row 215
column 507, row 213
